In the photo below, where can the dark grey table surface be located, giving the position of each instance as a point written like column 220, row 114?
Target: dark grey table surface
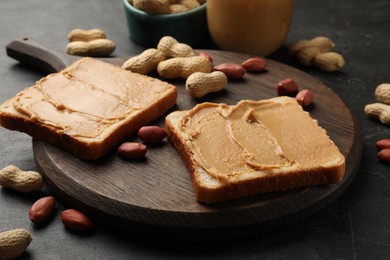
column 355, row 226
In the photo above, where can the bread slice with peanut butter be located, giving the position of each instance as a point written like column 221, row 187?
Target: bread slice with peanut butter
column 88, row 108
column 253, row 147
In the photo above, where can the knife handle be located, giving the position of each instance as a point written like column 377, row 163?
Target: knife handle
column 36, row 55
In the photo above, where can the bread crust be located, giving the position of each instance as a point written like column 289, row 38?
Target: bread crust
column 243, row 187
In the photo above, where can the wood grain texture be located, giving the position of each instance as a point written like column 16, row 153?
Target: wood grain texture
column 156, row 195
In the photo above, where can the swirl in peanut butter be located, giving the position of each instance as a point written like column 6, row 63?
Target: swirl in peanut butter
column 253, row 137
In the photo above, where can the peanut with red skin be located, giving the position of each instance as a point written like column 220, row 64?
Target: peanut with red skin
column 287, row 87
column 76, row 220
column 232, row 71
column 255, row 64
column 382, row 144
column 304, row 97
column 42, row 209
column 151, row 134
column 132, row 150
column 384, row 155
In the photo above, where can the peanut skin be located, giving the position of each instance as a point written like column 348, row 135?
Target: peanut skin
column 232, row 71
column 304, row 97
column 132, row 150
column 383, row 144
column 42, row 209
column 76, row 220
column 287, row 87
column 151, row 134
column 384, row 155
column 255, row 64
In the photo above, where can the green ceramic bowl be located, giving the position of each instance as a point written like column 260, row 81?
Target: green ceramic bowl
column 147, row 29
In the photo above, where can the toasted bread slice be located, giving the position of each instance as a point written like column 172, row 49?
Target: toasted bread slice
column 88, row 108
column 253, row 147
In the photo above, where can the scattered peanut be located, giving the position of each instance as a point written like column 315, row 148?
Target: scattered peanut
column 379, row 111
column 94, row 48
column 304, row 97
column 131, row 150
column 183, row 67
column 384, row 155
column 144, row 63
column 382, row 93
column 287, row 87
column 12, row 177
column 172, row 48
column 383, row 144
column 85, row 35
column 317, row 52
column 329, row 61
column 153, row 6
column 306, row 56
column 14, row 242
column 255, row 64
column 76, row 220
column 151, row 134
column 42, row 209
column 322, row 43
column 199, row 84
column 232, row 71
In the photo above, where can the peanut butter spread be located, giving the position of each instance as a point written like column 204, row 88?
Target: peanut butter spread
column 266, row 136
column 87, row 97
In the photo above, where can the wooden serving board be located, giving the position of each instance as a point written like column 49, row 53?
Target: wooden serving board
column 155, row 196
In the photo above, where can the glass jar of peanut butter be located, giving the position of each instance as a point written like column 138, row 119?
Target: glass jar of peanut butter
column 256, row 27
